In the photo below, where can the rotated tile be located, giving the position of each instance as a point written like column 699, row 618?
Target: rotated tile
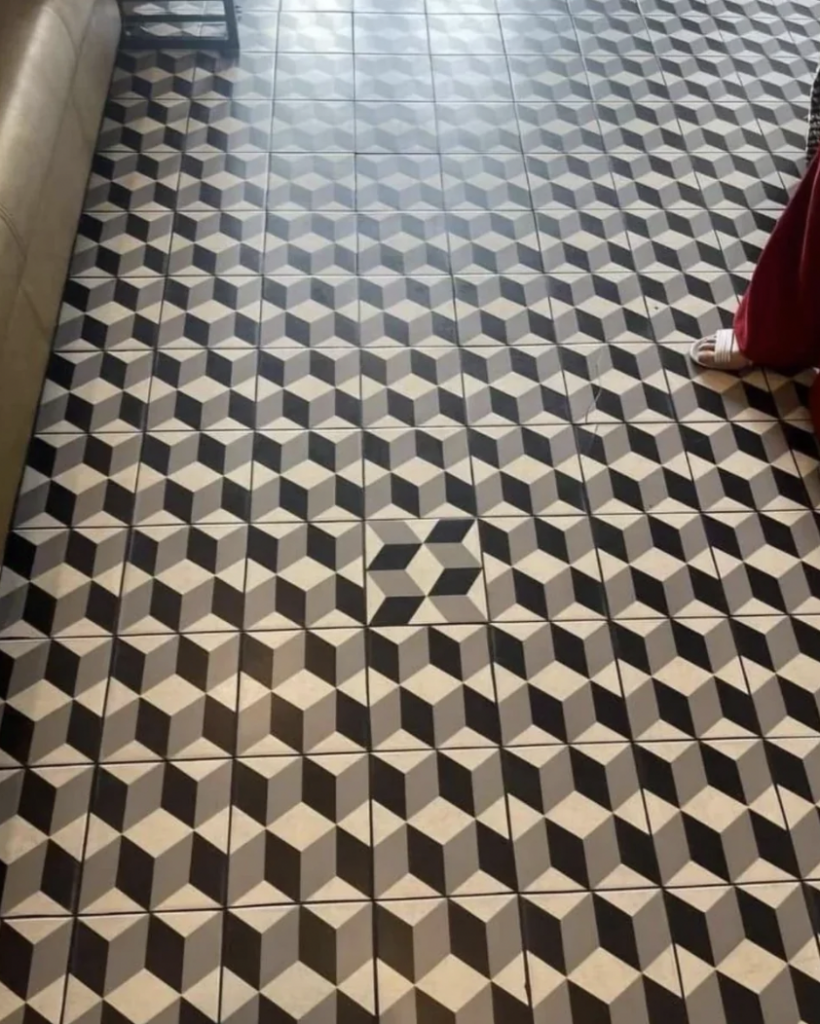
column 304, row 574
column 509, row 310
column 42, row 831
column 407, row 311
column 310, row 312
column 223, row 181
column 300, row 76
column 748, row 949
column 300, row 388
column 133, row 181
column 422, row 472
column 737, row 125
column 683, row 679
column 538, row 568
column 557, row 682
column 145, row 967
column 312, row 181
column 122, row 244
column 303, row 692
column 440, row 824
column 313, row 126
column 702, row 76
column 217, row 243
column 183, row 578
column 742, row 234
column 301, row 475
column 201, row 389
column 300, row 829
column 714, row 813
column 61, row 582
column 108, row 313
column 460, row 959
column 172, row 697
column 412, row 387
column 514, row 386
column 398, row 181
column 299, row 963
column 530, row 470
column 87, row 392
column 601, row 953
column 431, row 687
column 41, row 945
column 424, row 571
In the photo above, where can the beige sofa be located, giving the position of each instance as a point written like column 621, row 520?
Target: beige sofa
column 56, row 58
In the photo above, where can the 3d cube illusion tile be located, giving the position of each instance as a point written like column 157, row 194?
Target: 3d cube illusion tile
column 394, row 623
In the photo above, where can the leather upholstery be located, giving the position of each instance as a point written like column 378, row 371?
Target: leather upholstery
column 56, row 58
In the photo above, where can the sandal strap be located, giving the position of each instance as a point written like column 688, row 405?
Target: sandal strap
column 725, row 347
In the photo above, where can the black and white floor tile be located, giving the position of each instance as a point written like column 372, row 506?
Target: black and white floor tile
column 395, row 624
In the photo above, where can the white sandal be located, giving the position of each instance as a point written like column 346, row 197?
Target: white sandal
column 719, row 353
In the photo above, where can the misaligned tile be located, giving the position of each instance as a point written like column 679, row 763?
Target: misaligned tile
column 303, row 692
column 299, row 962
column 123, row 961
column 602, row 952
column 310, row 312
column 424, row 571
column 538, row 568
column 43, row 826
column 300, row 829
column 417, row 471
column 43, row 944
column 431, row 687
column 440, row 824
column 683, row 679
column 307, row 475
column 217, row 242
column 794, row 765
column 122, row 244
column 304, row 574
column 412, row 387
column 305, row 389
column 183, row 578
column 171, row 697
column 674, row 239
column 460, row 958
column 714, row 813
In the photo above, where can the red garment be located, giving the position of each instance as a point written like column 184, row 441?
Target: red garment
column 778, row 321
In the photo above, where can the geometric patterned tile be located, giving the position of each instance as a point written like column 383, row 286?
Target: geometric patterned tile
column 714, row 812
column 88, row 392
column 485, row 181
column 703, row 76
column 422, row 472
column 306, row 476
column 311, row 181
column 229, row 126
column 403, row 243
column 557, row 683
column 412, row 387
column 746, row 180
column 509, row 310
column 303, row 692
column 658, row 566
column 213, row 312
column 477, row 127
column 794, row 764
column 571, row 181
column 313, row 126
column 527, row 33
column 217, row 243
column 234, row 76
column 550, row 77
column 639, row 126
column 133, row 181
column 737, row 126
column 108, row 314
column 656, row 182
column 676, row 239
column 683, row 679
column 769, row 562
column 601, row 953
column 316, row 312
column 464, row 34
column 223, row 181
column 391, row 33
column 440, row 825
column 748, row 949
column 572, row 240
column 43, row 817
column 496, row 241
column 329, row 32
column 742, row 235
column 300, row 830
column 457, row 959
column 79, row 480
column 33, row 964
column 431, row 687
column 305, row 388
column 604, row 307
column 299, row 963
column 398, row 181
column 52, row 694
column 542, row 569
column 171, row 697
column 407, row 311
column 392, row 76
column 157, row 837
column 300, row 76
column 529, row 470
column 310, row 243
column 154, row 74
column 709, row 396
column 120, row 244
column 514, row 386
column 258, row 30
column 469, row 76
column 424, row 571
column 304, row 574
column 194, row 478
column 396, row 127
column 566, row 127
column 61, row 582
column 577, row 818
column 183, row 579
column 145, row 967
column 632, row 76
column 632, row 467
column 203, row 389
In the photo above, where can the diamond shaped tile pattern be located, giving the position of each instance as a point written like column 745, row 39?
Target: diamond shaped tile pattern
column 395, row 625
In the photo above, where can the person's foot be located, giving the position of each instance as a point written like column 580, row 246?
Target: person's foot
column 719, row 353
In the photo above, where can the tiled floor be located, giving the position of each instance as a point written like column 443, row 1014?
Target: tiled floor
column 394, row 626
